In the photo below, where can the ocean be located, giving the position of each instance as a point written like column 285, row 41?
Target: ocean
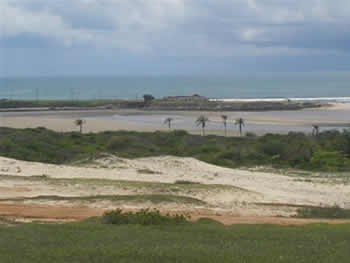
column 249, row 87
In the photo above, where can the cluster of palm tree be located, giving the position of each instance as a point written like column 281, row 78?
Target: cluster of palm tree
column 315, row 130
column 168, row 121
column 202, row 120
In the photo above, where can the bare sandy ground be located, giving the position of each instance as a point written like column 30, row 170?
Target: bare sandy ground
column 224, row 192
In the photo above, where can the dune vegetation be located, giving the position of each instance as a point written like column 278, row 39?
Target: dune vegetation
column 329, row 151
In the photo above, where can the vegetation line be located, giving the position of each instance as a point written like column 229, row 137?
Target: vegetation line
column 328, row 151
column 156, row 199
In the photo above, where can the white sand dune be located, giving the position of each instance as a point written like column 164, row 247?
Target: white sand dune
column 268, row 187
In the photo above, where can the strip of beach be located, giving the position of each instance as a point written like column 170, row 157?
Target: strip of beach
column 333, row 116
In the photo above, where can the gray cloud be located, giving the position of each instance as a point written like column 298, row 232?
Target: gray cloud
column 185, row 27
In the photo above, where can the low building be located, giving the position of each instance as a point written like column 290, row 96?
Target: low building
column 194, row 97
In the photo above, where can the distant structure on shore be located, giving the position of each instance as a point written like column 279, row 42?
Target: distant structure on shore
column 194, row 97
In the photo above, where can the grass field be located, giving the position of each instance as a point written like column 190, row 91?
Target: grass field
column 92, row 241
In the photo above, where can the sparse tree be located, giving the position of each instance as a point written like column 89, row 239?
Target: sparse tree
column 148, row 98
column 168, row 121
column 315, row 130
column 80, row 123
column 224, row 120
column 240, row 123
column 202, row 121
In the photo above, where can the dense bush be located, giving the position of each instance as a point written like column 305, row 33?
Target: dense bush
column 329, row 151
column 330, row 160
column 143, row 217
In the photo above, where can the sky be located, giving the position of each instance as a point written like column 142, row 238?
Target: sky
column 126, row 37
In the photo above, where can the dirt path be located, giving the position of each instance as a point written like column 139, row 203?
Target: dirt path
column 44, row 212
column 55, row 213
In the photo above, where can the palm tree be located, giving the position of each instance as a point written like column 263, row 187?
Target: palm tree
column 315, row 130
column 240, row 122
column 168, row 122
column 202, row 121
column 80, row 123
column 224, row 120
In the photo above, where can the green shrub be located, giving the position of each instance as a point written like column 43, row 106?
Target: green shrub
column 185, row 182
column 180, row 133
column 143, row 217
column 250, row 134
column 118, row 143
column 273, row 148
column 328, row 160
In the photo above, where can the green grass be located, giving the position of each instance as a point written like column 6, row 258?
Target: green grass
column 154, row 198
column 205, row 242
column 328, row 152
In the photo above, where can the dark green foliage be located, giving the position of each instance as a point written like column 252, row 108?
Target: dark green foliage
column 331, row 161
column 148, row 98
column 250, row 134
column 144, row 217
column 204, row 242
column 329, row 151
column 185, row 182
column 152, row 198
column 324, row 212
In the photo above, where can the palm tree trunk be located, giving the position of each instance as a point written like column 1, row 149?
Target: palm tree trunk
column 203, row 130
column 240, row 129
column 81, row 128
column 225, row 129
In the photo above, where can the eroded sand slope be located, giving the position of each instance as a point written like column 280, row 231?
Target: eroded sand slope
column 221, row 190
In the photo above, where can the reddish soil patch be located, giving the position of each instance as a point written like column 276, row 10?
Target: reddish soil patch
column 53, row 213
column 16, row 189
column 48, row 212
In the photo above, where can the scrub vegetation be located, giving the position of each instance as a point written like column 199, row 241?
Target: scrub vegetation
column 329, row 151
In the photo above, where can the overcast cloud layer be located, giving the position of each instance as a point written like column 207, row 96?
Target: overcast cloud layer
column 169, row 32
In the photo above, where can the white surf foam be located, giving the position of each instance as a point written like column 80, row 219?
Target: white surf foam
column 319, row 99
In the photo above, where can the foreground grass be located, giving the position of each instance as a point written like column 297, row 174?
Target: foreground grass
column 93, row 242
column 328, row 152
